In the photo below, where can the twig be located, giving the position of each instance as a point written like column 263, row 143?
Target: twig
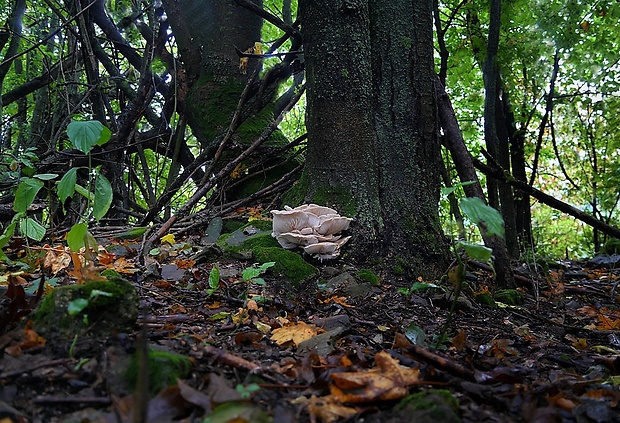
column 442, row 362
column 16, row 373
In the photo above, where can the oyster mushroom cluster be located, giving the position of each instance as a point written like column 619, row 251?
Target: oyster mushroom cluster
column 314, row 228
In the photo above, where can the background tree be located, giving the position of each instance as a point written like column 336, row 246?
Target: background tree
column 372, row 127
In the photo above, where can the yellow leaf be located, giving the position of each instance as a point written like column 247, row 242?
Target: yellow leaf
column 296, row 333
column 239, row 170
column 168, row 238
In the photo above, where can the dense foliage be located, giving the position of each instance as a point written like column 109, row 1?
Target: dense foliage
column 117, row 62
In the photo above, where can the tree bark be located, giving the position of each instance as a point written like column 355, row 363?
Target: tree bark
column 466, row 171
column 371, row 120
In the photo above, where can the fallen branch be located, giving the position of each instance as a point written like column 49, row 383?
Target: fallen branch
column 498, row 173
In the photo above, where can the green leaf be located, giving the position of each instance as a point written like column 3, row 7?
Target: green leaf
column 483, row 215
column 416, row 335
column 46, row 176
column 66, row 185
column 103, row 196
column 476, row 251
column 84, row 135
column 449, row 190
column 76, row 235
column 76, row 306
column 84, row 192
column 8, row 233
column 214, row 277
column 32, row 229
column 253, row 272
column 26, row 192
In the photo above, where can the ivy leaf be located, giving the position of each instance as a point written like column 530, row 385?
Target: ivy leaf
column 484, row 216
column 103, row 196
column 66, row 185
column 84, row 135
column 26, row 191
column 32, row 229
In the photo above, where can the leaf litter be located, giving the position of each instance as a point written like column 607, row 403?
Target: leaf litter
column 342, row 354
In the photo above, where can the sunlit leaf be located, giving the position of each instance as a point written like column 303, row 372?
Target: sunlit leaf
column 75, row 236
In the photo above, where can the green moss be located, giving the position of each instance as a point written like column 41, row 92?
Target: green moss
column 288, row 264
column 369, row 276
column 296, row 195
column 406, row 42
column 164, row 369
column 434, row 405
column 509, row 296
column 114, row 310
column 485, row 299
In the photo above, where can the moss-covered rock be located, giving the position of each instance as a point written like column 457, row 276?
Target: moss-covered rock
column 98, row 309
column 435, row 405
column 369, row 276
column 485, row 299
column 509, row 296
column 164, row 368
column 288, row 264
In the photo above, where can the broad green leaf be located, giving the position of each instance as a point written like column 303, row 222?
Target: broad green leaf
column 46, row 176
column 26, row 192
column 66, row 185
column 75, row 236
column 76, row 306
column 477, row 251
column 32, row 229
column 214, row 277
column 84, row 192
column 482, row 214
column 103, row 196
column 84, row 135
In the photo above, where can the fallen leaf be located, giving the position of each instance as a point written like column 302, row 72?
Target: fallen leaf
column 169, row 238
column 296, row 334
column 328, row 410
column 386, row 382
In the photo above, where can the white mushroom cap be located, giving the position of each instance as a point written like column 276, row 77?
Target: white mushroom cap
column 332, row 224
column 312, row 227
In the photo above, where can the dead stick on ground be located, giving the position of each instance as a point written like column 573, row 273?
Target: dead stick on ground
column 234, row 361
column 442, row 362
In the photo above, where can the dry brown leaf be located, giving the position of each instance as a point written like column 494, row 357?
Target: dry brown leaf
column 296, row 334
column 328, row 411
column 123, row 266
column 385, row 382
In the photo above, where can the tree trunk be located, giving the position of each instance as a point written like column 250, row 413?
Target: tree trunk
column 371, row 120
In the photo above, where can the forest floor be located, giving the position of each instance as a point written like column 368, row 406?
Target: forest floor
column 354, row 349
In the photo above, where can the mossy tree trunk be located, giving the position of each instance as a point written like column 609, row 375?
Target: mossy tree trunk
column 373, row 149
column 207, row 33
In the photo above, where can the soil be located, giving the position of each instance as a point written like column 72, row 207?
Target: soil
column 340, row 347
